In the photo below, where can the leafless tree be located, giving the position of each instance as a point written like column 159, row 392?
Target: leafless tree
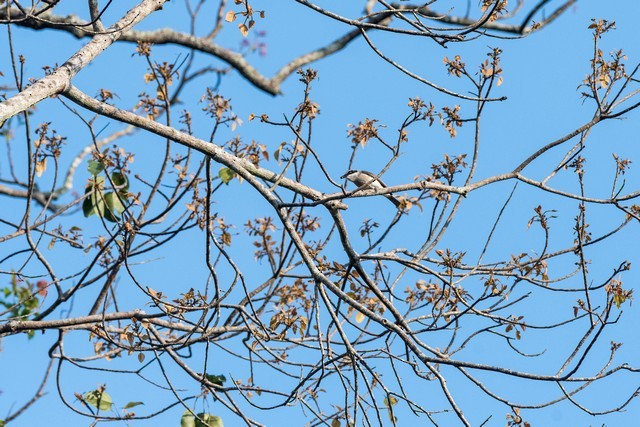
column 302, row 307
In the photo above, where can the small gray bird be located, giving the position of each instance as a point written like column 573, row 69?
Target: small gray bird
column 368, row 180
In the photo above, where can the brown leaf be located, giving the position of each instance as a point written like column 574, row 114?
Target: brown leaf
column 41, row 166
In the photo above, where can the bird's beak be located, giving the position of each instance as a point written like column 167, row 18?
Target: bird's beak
column 344, row 176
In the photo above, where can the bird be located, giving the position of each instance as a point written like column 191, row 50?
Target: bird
column 367, row 180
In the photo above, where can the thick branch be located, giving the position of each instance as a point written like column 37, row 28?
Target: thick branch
column 76, row 26
column 14, row 326
column 217, row 153
column 59, row 79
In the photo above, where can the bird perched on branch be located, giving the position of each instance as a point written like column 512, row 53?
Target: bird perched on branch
column 368, row 180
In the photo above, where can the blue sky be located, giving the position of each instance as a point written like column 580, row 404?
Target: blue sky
column 541, row 76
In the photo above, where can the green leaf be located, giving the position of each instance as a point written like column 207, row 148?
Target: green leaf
column 121, row 181
column 106, row 205
column 208, row 420
column 97, row 203
column 87, row 207
column 109, row 216
column 187, row 420
column 278, row 152
column 226, row 175
column 99, row 399
column 95, row 167
column 390, row 401
column 216, row 379
column 132, row 404
column 114, row 205
column 94, row 204
column 96, row 182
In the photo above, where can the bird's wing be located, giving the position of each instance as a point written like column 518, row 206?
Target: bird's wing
column 375, row 178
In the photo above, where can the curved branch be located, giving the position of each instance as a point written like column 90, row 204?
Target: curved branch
column 61, row 77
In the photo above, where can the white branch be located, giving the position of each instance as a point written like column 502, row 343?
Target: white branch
column 59, row 79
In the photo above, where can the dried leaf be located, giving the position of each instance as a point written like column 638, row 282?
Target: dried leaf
column 41, row 166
